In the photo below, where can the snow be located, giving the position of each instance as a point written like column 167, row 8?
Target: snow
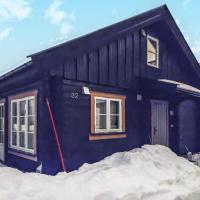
column 182, row 86
column 196, row 159
column 152, row 172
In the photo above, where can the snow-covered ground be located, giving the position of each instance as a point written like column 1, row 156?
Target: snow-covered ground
column 196, row 159
column 152, row 172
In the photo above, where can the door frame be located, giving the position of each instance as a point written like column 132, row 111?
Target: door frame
column 166, row 103
column 2, row 102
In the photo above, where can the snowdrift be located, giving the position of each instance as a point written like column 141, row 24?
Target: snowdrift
column 152, row 172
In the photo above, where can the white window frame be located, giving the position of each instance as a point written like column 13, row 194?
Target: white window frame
column 157, row 50
column 108, row 115
column 17, row 147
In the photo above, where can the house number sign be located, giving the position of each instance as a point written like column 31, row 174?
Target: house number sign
column 74, row 95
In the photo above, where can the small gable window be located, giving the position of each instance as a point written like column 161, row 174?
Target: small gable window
column 152, row 52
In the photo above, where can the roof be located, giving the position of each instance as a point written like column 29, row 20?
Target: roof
column 182, row 86
column 133, row 21
column 137, row 22
column 17, row 69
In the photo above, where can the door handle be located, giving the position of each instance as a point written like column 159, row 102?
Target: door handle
column 154, row 130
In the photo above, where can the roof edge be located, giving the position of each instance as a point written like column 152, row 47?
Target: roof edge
column 19, row 68
column 162, row 7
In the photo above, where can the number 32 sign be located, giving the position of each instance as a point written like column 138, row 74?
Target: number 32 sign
column 74, row 95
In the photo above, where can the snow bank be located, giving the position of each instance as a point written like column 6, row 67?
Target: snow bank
column 152, row 172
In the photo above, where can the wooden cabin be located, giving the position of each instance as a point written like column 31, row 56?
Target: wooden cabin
column 132, row 83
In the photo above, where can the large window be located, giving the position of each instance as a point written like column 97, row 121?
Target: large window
column 23, row 123
column 152, row 52
column 107, row 113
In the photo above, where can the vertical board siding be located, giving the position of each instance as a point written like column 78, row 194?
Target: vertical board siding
column 76, row 129
column 164, row 61
column 169, row 66
column 129, row 59
column 57, row 71
column 121, row 62
column 82, row 67
column 188, row 129
column 136, row 53
column 103, row 65
column 93, row 66
column 143, row 57
column 113, row 63
column 70, row 69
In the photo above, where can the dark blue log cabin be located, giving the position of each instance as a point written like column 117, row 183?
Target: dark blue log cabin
column 132, row 83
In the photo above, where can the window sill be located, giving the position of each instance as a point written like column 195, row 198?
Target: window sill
column 107, row 136
column 23, row 155
column 153, row 66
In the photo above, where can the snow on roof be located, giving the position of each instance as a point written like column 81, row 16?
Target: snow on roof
column 152, row 172
column 182, row 86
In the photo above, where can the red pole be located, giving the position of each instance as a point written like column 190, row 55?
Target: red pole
column 56, row 134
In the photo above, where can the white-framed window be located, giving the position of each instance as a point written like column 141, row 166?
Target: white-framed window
column 108, row 115
column 152, row 51
column 23, row 124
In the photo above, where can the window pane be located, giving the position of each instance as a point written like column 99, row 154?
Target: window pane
column 30, row 141
column 1, row 124
column 101, row 121
column 31, row 107
column 114, row 122
column 22, row 108
column 100, row 106
column 114, row 107
column 31, row 124
column 152, row 45
column 22, row 124
column 152, row 52
column 1, row 136
column 14, row 108
column 1, row 111
column 21, row 139
column 14, row 138
column 152, row 58
column 14, row 123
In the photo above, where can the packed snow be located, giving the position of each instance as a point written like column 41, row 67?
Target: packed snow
column 152, row 172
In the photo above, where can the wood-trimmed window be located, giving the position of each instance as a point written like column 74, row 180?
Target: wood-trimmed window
column 107, row 115
column 152, row 51
column 22, row 122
